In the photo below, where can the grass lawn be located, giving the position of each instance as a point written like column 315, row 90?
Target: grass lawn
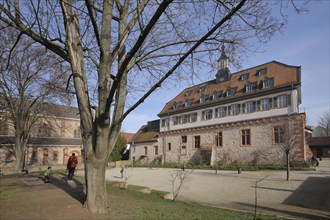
column 52, row 201
column 124, row 204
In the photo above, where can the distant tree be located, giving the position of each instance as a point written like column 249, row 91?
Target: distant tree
column 116, row 45
column 117, row 152
column 29, row 78
column 324, row 124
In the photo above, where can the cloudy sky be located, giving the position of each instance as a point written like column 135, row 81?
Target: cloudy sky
column 305, row 43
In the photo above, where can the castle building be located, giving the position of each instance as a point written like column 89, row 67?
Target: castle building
column 236, row 117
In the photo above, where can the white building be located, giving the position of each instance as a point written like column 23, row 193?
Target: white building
column 236, row 117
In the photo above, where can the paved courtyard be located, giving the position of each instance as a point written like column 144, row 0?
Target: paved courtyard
column 306, row 196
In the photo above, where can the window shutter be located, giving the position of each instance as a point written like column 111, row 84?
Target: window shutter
column 257, row 105
column 289, row 99
column 243, row 108
column 226, row 111
column 229, row 109
column 270, row 103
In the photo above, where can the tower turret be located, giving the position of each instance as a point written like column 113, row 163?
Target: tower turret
column 223, row 67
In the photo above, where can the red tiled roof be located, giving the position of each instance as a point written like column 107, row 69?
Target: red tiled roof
column 284, row 75
column 127, row 136
column 144, row 135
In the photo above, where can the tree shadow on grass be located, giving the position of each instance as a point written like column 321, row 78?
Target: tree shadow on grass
column 264, row 210
column 75, row 188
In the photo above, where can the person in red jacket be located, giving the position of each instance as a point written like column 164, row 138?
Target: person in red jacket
column 71, row 166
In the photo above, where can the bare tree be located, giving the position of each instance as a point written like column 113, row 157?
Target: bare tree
column 178, row 180
column 290, row 137
column 117, row 46
column 27, row 81
column 324, row 124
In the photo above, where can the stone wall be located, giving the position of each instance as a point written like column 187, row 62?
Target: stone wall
column 261, row 148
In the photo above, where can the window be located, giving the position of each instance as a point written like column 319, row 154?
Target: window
column 282, row 101
column 245, row 137
column 188, row 102
column 34, row 156
column 169, row 146
column 184, row 139
column 184, row 119
column 250, row 87
column 264, row 104
column 218, row 139
column 9, row 157
column 188, row 93
column 175, row 120
column 165, row 122
column 145, row 150
column 244, row 76
column 197, row 142
column 261, row 71
column 203, row 99
column 207, row 114
column 55, row 156
column 193, row 117
column 249, row 107
column 216, row 95
column 220, row 112
column 201, row 89
column 156, row 150
column 267, row 83
column 231, row 92
column 235, row 109
column 278, row 134
column 176, row 105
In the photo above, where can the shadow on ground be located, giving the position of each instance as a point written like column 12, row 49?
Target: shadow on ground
column 313, row 193
column 74, row 188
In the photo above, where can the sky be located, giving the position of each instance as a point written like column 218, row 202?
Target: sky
column 304, row 42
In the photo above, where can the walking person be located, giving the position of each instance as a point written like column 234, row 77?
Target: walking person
column 71, row 166
column 122, row 172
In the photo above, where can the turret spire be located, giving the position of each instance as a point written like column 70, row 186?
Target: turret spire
column 223, row 66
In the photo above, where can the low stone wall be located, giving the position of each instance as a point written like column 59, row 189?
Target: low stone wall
column 119, row 163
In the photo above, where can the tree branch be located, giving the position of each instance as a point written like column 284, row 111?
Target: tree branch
column 171, row 71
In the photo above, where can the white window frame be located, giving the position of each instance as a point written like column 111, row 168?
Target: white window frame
column 193, row 117
column 265, row 104
column 249, row 108
column 207, row 114
column 220, row 112
column 249, row 87
column 234, row 109
column 282, row 101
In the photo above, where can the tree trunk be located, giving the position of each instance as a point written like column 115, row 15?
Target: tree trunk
column 20, row 146
column 96, row 192
column 287, row 167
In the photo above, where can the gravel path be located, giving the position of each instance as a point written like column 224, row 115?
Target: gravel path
column 306, row 196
